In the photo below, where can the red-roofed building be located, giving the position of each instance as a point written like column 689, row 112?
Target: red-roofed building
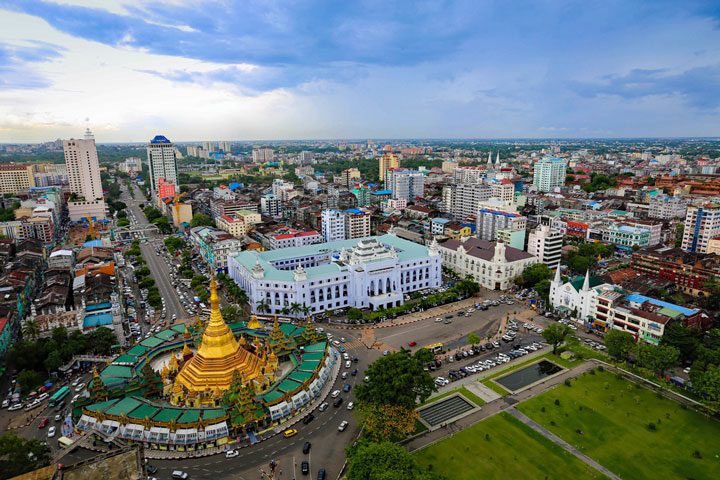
column 294, row 238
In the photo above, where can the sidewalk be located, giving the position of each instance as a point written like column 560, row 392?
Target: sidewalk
column 562, row 443
column 494, row 407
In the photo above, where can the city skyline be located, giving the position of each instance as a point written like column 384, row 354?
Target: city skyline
column 189, row 70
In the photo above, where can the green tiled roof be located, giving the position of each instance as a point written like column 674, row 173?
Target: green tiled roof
column 316, row 356
column 213, row 414
column 316, row 347
column 144, row 411
column 237, row 325
column 669, row 312
column 124, row 406
column 301, row 377
column 271, row 396
column 166, row 334
column 116, row 371
column 577, row 282
column 152, row 342
column 137, row 350
column 189, row 416
column 167, row 415
column 125, row 359
column 287, row 328
column 288, row 386
column 180, row 328
column 100, row 407
column 309, row 366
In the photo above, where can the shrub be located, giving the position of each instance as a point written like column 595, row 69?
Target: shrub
column 557, row 402
column 651, row 426
column 601, row 368
column 568, row 383
column 542, row 409
column 697, row 454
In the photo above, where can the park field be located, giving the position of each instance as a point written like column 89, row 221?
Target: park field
column 510, row 450
column 629, row 429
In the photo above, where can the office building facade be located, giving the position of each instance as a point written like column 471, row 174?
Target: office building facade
column 162, row 162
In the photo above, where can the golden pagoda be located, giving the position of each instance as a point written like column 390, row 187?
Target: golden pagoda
column 209, row 373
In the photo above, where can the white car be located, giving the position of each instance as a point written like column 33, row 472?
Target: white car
column 335, row 393
column 343, row 426
column 80, row 387
column 17, row 406
column 350, row 405
column 51, row 432
column 348, row 364
column 231, row 454
column 346, row 356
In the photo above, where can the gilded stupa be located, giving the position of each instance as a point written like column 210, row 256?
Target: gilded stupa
column 202, row 380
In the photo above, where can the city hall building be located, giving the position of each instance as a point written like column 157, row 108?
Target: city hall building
column 373, row 272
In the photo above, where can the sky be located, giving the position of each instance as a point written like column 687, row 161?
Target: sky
column 295, row 69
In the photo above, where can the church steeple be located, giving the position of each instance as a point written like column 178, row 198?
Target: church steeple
column 586, row 283
column 556, row 280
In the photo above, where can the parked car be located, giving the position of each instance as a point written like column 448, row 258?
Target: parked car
column 308, row 419
column 306, row 447
column 305, row 467
column 343, row 425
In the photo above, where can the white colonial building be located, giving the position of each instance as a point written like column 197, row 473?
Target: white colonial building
column 577, row 297
column 492, row 264
column 373, row 272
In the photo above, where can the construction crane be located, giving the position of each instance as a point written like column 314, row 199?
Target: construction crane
column 91, row 227
column 177, row 205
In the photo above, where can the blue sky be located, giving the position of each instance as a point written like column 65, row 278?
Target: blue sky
column 312, row 69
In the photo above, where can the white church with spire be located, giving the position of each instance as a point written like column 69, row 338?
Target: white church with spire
column 576, row 298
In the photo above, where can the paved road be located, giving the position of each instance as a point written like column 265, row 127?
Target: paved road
column 158, row 268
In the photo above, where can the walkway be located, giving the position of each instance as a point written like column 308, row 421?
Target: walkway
column 495, row 407
column 562, row 443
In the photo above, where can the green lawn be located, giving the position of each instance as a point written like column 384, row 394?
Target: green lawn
column 466, row 393
column 511, row 451
column 495, row 387
column 608, row 418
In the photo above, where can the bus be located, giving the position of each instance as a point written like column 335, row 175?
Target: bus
column 59, row 396
column 435, row 347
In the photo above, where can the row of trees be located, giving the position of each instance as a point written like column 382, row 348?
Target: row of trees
column 36, row 358
column 396, row 384
column 156, row 217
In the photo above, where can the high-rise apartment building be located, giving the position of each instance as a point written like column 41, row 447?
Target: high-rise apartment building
column 262, row 155
column 83, row 170
column 469, row 174
column 386, row 162
column 546, row 243
column 549, row 173
column 701, row 225
column 357, row 223
column 348, row 177
column 306, row 157
column 503, row 189
column 407, row 184
column 333, row 225
column 665, row 207
column 271, row 206
column 16, row 178
column 462, row 200
column 490, row 220
column 161, row 161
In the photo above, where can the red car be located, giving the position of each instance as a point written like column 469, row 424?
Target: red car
column 43, row 423
column 413, row 343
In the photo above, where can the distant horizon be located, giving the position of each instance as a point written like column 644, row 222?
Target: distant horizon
column 378, row 140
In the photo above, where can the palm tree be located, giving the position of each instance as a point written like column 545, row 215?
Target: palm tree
column 263, row 306
column 306, row 311
column 295, row 308
column 31, row 329
column 285, row 310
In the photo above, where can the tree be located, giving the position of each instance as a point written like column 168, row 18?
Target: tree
column 382, row 422
column 396, row 379
column 711, row 298
column 201, row 220
column 146, row 282
column 385, row 461
column 295, row 308
column 543, row 290
column 174, row 243
column 679, row 232
column 535, row 274
column 707, row 385
column 150, row 381
column 30, row 329
column 685, row 339
column 231, row 313
column 29, row 380
column 579, row 263
column 18, row 455
column 555, row 334
column 424, row 356
column 473, row 339
column 101, row 340
column 263, row 306
column 619, row 344
column 54, row 361
column 354, row 314
column 657, row 358
column 163, row 224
